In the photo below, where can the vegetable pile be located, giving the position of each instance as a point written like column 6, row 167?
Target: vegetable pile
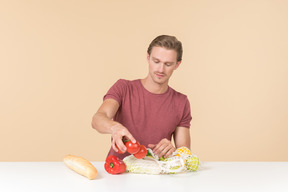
column 143, row 160
column 180, row 161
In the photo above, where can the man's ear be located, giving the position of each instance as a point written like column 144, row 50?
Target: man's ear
column 148, row 57
column 177, row 65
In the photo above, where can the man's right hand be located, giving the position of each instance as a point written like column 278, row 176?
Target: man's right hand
column 103, row 122
column 118, row 133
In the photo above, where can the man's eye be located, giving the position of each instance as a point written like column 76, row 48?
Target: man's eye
column 156, row 61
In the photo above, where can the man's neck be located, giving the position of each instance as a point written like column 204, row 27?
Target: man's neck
column 154, row 87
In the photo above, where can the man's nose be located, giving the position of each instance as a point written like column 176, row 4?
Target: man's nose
column 161, row 67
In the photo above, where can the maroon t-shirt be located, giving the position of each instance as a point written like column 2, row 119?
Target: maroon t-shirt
column 149, row 117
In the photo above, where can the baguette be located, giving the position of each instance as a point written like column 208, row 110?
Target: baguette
column 80, row 166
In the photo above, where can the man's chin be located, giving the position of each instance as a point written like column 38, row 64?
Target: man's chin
column 160, row 81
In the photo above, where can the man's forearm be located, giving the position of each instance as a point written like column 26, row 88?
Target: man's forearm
column 182, row 137
column 102, row 123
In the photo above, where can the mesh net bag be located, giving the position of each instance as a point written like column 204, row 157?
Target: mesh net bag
column 181, row 160
column 148, row 166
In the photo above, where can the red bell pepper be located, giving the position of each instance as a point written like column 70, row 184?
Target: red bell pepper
column 114, row 165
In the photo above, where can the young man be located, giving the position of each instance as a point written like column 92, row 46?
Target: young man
column 148, row 110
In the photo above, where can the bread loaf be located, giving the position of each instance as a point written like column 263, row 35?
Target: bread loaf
column 80, row 166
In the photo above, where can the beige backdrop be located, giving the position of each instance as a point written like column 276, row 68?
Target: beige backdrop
column 58, row 58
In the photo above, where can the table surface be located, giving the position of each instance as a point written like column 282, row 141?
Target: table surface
column 213, row 176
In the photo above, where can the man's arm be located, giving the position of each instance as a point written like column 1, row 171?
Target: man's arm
column 182, row 137
column 103, row 122
column 166, row 148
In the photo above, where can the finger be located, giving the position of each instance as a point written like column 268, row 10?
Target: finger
column 169, row 152
column 151, row 146
column 121, row 145
column 157, row 146
column 130, row 137
column 113, row 145
column 160, row 146
column 165, row 150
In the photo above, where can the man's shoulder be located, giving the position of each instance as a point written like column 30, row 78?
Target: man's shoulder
column 126, row 82
column 178, row 94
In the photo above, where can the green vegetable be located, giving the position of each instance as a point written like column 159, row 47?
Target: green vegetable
column 147, row 166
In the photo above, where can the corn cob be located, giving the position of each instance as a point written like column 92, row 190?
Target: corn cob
column 183, row 152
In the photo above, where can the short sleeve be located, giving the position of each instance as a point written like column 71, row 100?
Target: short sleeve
column 117, row 91
column 186, row 115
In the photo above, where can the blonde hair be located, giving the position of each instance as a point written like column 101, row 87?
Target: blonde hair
column 168, row 42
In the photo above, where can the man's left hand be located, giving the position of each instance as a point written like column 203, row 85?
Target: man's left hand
column 163, row 148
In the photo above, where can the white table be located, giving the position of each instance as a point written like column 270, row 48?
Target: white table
column 214, row 176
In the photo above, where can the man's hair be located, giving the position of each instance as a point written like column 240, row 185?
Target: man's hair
column 168, row 42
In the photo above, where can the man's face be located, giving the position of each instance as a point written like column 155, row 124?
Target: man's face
column 162, row 63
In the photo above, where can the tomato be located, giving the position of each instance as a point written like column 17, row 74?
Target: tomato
column 141, row 153
column 119, row 151
column 132, row 147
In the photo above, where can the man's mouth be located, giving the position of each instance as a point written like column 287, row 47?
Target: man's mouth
column 159, row 74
